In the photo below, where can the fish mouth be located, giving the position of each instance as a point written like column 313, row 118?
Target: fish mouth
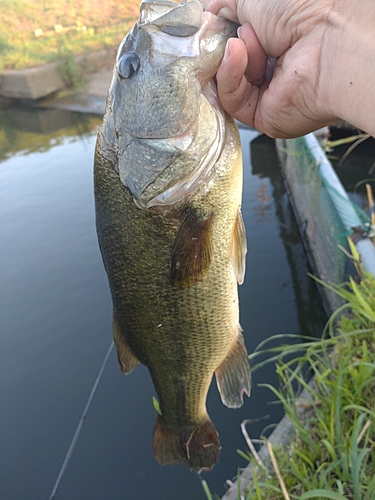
column 204, row 37
column 175, row 19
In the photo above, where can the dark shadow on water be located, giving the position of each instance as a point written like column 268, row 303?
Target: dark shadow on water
column 311, row 317
column 356, row 169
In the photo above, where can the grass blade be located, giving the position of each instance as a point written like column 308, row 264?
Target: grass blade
column 322, row 494
column 207, row 490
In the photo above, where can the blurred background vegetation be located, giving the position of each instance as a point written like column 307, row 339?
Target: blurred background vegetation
column 34, row 32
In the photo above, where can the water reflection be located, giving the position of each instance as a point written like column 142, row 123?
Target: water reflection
column 56, row 324
column 24, row 130
column 310, row 311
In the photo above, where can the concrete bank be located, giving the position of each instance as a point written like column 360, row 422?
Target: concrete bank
column 325, row 214
column 45, row 86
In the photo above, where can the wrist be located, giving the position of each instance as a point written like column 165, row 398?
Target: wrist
column 350, row 69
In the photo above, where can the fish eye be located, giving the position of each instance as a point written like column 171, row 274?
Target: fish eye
column 128, row 65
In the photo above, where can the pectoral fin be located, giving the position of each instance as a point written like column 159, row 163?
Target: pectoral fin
column 239, row 247
column 233, row 375
column 192, row 251
column 126, row 358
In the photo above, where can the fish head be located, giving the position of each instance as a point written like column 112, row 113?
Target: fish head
column 162, row 106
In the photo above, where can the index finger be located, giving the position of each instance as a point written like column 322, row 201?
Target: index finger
column 223, row 8
column 257, row 58
column 237, row 95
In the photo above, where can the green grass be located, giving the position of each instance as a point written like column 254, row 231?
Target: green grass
column 93, row 25
column 333, row 455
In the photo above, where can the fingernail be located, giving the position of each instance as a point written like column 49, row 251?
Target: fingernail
column 227, row 51
column 239, row 31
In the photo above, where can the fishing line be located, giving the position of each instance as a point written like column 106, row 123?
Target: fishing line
column 80, row 424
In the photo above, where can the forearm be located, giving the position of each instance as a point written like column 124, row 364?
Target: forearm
column 351, row 77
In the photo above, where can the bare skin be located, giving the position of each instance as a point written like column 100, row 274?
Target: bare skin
column 299, row 65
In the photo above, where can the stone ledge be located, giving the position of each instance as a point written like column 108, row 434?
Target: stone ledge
column 31, row 83
column 41, row 81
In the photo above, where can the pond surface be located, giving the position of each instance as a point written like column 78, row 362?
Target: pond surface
column 56, row 320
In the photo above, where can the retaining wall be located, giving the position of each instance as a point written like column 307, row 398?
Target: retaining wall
column 41, row 81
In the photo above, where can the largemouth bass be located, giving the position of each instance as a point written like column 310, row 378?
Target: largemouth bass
column 168, row 187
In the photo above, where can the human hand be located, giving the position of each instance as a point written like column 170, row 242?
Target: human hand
column 277, row 75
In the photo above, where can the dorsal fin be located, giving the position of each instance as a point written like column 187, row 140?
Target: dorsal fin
column 192, row 251
column 239, row 247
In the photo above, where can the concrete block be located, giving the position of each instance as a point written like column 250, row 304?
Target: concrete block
column 96, row 61
column 31, row 83
column 41, row 81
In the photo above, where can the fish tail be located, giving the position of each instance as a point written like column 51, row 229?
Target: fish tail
column 198, row 446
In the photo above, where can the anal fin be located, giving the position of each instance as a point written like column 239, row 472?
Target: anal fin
column 126, row 358
column 192, row 251
column 239, row 247
column 233, row 376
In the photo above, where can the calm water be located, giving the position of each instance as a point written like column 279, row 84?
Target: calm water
column 56, row 322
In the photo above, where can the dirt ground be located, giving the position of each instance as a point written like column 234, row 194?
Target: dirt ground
column 28, row 15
